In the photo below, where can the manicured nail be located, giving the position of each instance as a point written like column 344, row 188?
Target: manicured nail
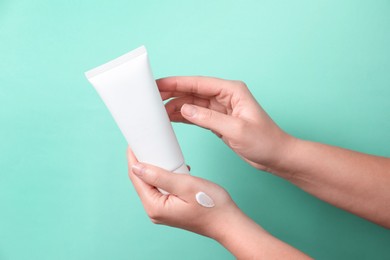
column 138, row 169
column 188, row 110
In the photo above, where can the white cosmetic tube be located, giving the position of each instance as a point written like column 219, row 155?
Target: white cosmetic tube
column 128, row 89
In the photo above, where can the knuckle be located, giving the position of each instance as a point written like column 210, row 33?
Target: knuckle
column 240, row 84
column 206, row 114
column 189, row 184
column 187, row 181
column 154, row 178
column 155, row 221
column 154, row 216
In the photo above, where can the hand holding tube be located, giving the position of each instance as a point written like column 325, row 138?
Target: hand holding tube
column 224, row 221
column 179, row 208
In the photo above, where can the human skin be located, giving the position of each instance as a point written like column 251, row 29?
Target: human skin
column 224, row 222
column 353, row 181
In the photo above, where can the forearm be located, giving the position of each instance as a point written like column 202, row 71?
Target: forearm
column 246, row 240
column 354, row 181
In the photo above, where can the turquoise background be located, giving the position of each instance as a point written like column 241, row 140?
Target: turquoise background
column 321, row 69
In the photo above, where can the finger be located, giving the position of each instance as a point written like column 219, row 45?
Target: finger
column 165, row 95
column 170, row 94
column 175, row 105
column 178, row 118
column 144, row 190
column 219, row 123
column 198, row 85
column 131, row 157
column 174, row 183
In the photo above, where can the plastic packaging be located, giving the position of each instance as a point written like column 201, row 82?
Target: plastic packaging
column 128, row 89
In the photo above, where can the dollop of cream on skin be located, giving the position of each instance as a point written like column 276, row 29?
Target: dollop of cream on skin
column 204, row 200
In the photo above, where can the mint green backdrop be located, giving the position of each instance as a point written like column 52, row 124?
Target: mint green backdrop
column 321, row 69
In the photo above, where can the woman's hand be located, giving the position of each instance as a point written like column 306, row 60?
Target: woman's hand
column 180, row 208
column 224, row 222
column 353, row 181
column 229, row 110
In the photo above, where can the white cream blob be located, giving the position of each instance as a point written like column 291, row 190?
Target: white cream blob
column 204, row 200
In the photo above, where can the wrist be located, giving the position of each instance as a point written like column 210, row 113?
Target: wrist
column 224, row 223
column 284, row 154
column 238, row 233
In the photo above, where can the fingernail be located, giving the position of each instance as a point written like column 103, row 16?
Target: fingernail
column 138, row 169
column 188, row 110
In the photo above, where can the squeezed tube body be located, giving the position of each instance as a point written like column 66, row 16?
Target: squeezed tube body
column 129, row 91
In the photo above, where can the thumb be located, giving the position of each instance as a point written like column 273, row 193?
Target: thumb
column 220, row 123
column 174, row 183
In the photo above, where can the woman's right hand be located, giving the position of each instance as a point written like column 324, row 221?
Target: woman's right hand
column 230, row 111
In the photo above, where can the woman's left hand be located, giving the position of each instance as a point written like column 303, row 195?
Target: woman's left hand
column 180, row 208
